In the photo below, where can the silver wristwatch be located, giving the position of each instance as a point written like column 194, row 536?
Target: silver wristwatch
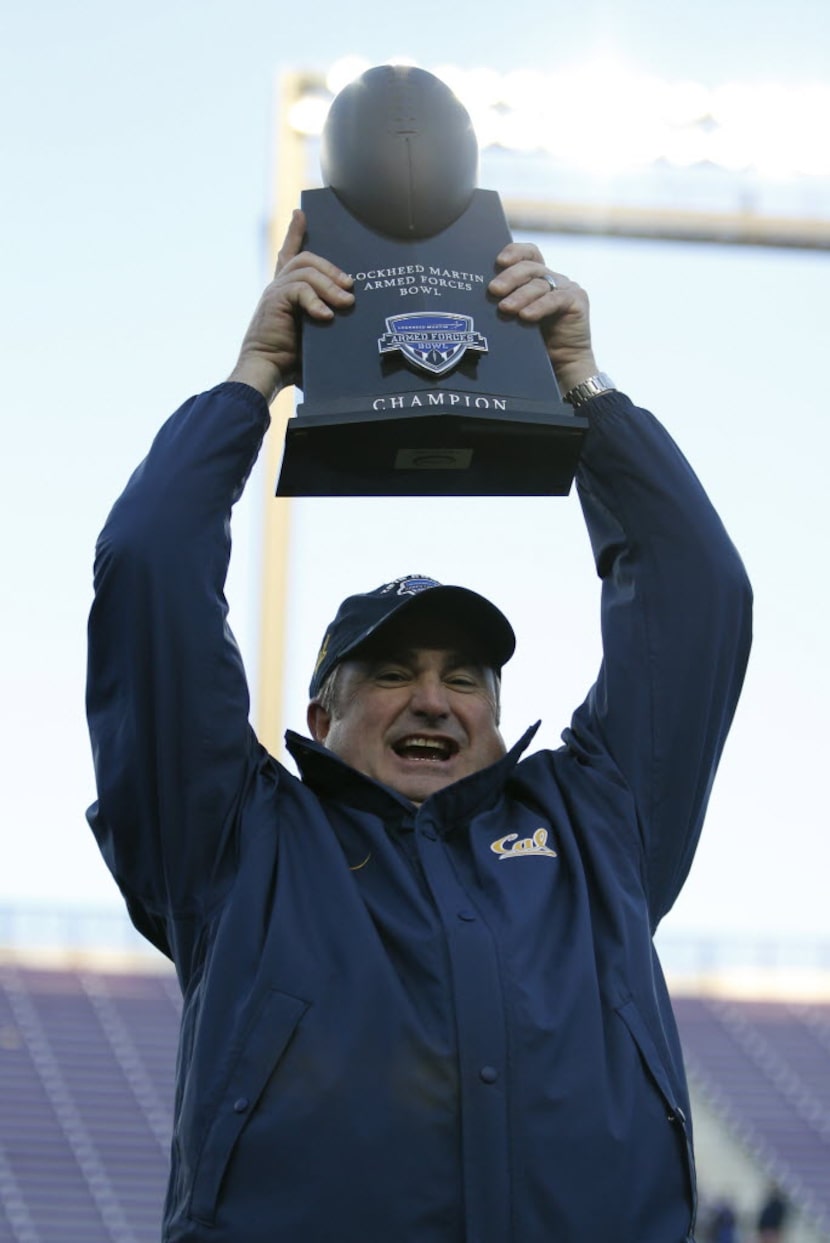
column 592, row 387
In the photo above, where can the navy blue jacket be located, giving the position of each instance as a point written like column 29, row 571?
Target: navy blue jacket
column 468, row 1038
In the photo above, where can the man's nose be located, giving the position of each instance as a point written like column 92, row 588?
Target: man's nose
column 430, row 697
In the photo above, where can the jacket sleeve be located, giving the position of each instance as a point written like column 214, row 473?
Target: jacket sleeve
column 167, row 699
column 676, row 633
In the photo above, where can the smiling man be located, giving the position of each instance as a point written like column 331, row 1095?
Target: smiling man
column 421, row 999
column 406, row 687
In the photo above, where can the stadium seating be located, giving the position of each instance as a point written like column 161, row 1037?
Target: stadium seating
column 765, row 1067
column 86, row 1082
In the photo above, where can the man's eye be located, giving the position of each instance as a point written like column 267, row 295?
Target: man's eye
column 463, row 681
column 393, row 676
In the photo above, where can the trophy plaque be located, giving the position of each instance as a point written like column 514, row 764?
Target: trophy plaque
column 421, row 388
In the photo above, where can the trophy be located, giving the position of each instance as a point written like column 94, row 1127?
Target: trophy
column 421, row 388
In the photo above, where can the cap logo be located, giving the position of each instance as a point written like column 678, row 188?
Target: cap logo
column 321, row 655
column 410, row 586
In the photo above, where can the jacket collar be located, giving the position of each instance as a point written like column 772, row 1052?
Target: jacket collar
column 329, row 776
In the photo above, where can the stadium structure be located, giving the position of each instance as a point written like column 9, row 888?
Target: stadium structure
column 87, row 1065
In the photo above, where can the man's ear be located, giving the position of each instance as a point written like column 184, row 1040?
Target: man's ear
column 318, row 721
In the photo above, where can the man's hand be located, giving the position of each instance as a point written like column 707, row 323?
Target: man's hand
column 303, row 284
column 524, row 290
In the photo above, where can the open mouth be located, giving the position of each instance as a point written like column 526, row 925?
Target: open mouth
column 420, row 747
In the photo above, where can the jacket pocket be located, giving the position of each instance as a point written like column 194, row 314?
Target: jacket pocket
column 675, row 1113
column 261, row 1048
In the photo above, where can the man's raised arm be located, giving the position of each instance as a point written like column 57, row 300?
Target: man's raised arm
column 676, row 601
column 167, row 698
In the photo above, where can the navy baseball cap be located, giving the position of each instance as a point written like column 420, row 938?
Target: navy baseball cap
column 360, row 617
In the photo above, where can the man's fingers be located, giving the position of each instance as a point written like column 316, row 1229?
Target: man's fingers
column 516, row 276
column 293, row 240
column 516, row 252
column 526, row 282
column 297, row 264
column 549, row 302
column 543, row 295
column 320, row 273
column 309, row 301
column 317, row 292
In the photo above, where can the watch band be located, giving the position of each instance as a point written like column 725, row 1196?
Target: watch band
column 592, row 387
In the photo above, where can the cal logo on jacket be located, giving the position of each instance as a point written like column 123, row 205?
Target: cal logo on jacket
column 514, row 847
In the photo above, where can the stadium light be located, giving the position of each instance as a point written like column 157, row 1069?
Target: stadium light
column 626, row 120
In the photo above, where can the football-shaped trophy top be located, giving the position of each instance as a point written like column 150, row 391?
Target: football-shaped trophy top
column 399, row 151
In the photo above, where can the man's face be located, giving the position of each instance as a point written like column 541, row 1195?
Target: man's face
column 417, row 711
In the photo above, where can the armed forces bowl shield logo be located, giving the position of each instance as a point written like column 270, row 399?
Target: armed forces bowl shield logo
column 432, row 341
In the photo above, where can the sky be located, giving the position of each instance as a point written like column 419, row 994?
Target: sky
column 135, row 186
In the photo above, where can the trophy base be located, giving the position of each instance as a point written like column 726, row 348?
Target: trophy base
column 423, row 453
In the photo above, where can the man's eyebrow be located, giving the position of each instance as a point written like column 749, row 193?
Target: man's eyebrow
column 467, row 658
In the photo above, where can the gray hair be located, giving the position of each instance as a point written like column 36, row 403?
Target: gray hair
column 327, row 696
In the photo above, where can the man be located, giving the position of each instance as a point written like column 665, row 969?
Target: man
column 772, row 1217
column 421, row 999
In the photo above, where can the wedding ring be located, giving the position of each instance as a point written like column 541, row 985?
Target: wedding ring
column 551, row 280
